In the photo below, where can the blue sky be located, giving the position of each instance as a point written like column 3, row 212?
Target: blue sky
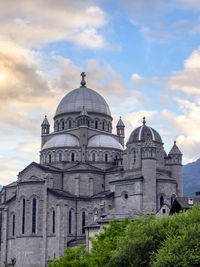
column 142, row 56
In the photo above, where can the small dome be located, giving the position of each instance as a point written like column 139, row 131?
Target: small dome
column 62, row 140
column 83, row 97
column 144, row 133
column 106, row 141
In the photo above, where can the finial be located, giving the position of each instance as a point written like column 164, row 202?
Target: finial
column 83, row 82
column 45, row 116
column 120, row 117
column 175, row 142
column 144, row 120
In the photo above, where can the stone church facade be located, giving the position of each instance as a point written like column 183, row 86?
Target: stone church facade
column 85, row 173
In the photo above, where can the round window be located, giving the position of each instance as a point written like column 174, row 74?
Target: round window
column 126, row 195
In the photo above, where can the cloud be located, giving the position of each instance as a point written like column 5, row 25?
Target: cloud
column 189, row 4
column 157, row 20
column 35, row 23
column 188, row 79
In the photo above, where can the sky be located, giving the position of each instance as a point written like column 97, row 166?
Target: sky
column 143, row 56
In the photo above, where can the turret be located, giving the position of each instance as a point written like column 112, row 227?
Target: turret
column 45, row 126
column 148, row 155
column 120, row 131
column 175, row 161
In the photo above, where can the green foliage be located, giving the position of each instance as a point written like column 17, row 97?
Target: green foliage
column 169, row 241
column 73, row 258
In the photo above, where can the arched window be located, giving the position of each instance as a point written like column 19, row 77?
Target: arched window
column 106, row 157
column 70, row 222
column 23, row 215
column 96, row 124
column 88, row 123
column 60, row 157
column 93, row 157
column 78, row 124
column 70, row 124
column 161, row 201
column 53, row 221
column 62, row 125
column 34, row 208
column 103, row 127
column 134, row 155
column 13, row 225
column 72, row 157
column 49, row 158
column 83, row 222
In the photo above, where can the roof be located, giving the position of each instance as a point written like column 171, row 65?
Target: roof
column 120, row 122
column 62, row 140
column 120, row 215
column 104, row 140
column 175, row 150
column 45, row 122
column 181, row 203
column 80, row 166
column 40, row 166
column 60, row 193
column 144, row 133
column 83, row 96
column 76, row 242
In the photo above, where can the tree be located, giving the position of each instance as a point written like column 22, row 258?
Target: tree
column 169, row 241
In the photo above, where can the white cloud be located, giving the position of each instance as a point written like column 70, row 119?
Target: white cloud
column 37, row 22
column 188, row 79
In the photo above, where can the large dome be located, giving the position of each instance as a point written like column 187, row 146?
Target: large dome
column 83, row 97
column 105, row 141
column 144, row 133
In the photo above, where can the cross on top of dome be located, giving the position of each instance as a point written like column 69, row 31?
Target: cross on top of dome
column 83, row 82
column 144, row 120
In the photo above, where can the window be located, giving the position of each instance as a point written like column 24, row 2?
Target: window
column 34, row 203
column 88, row 123
column 78, row 123
column 164, row 211
column 126, row 196
column 106, row 157
column 49, row 158
column 161, row 201
column 83, row 222
column 70, row 222
column 72, row 157
column 103, row 126
column 53, row 221
column 60, row 157
column 13, row 225
column 70, row 124
column 63, row 125
column 134, row 155
column 93, row 157
column 96, row 124
column 23, row 215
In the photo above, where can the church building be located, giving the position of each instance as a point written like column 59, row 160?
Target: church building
column 86, row 172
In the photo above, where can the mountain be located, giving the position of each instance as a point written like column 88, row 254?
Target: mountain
column 191, row 178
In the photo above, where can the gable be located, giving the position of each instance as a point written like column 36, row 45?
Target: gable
column 32, row 173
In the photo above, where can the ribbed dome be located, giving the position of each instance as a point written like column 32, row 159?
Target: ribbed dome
column 62, row 140
column 143, row 134
column 83, row 97
column 105, row 141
